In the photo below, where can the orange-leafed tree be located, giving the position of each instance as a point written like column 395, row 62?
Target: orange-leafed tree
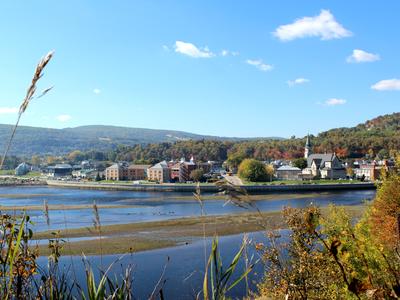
column 385, row 212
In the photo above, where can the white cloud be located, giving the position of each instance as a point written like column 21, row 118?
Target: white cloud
column 323, row 26
column 165, row 48
column 360, row 56
column 191, row 50
column 259, row 64
column 335, row 101
column 97, row 91
column 8, row 110
column 63, row 118
column 297, row 81
column 387, row 85
column 227, row 52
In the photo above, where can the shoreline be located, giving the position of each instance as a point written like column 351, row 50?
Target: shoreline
column 190, row 188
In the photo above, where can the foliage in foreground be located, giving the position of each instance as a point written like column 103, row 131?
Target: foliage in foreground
column 333, row 258
column 22, row 278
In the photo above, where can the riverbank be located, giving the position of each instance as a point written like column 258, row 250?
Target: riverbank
column 135, row 237
column 9, row 180
column 210, row 188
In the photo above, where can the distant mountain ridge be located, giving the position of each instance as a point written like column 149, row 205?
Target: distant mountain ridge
column 38, row 140
column 382, row 132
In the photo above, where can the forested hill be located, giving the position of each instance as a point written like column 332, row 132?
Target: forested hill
column 379, row 134
column 379, row 137
column 35, row 140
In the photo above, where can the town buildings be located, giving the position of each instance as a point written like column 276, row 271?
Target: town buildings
column 124, row 171
column 372, row 171
column 171, row 171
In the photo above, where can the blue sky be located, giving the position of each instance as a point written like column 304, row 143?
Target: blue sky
column 228, row 68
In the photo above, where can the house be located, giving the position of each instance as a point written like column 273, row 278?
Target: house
column 86, row 173
column 368, row 171
column 118, row 171
column 324, row 166
column 138, row 172
column 372, row 171
column 22, row 169
column 159, row 172
column 288, row 173
column 180, row 172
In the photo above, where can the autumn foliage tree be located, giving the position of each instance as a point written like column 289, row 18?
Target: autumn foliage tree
column 337, row 256
column 254, row 171
column 385, row 212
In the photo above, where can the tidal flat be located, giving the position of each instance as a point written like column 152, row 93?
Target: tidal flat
column 136, row 237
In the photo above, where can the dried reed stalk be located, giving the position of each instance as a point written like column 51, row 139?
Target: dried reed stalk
column 30, row 94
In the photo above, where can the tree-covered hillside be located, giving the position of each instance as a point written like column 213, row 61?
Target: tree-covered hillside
column 379, row 137
column 45, row 141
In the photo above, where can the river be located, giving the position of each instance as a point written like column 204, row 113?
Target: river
column 185, row 270
column 129, row 207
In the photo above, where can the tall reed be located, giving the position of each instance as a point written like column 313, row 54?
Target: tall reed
column 30, row 95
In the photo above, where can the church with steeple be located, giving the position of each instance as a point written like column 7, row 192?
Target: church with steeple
column 324, row 166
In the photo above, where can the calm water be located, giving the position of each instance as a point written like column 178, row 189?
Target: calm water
column 185, row 270
column 150, row 206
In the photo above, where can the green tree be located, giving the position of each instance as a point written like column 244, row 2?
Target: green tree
column 76, row 156
column 383, row 154
column 35, row 160
column 98, row 178
column 300, row 163
column 51, row 160
column 235, row 159
column 253, row 170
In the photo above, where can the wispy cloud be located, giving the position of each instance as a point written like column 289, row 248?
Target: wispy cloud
column 97, row 91
column 323, row 26
column 297, row 81
column 228, row 52
column 63, row 118
column 259, row 64
column 360, row 56
column 387, row 85
column 165, row 48
column 335, row 101
column 191, row 50
column 8, row 110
